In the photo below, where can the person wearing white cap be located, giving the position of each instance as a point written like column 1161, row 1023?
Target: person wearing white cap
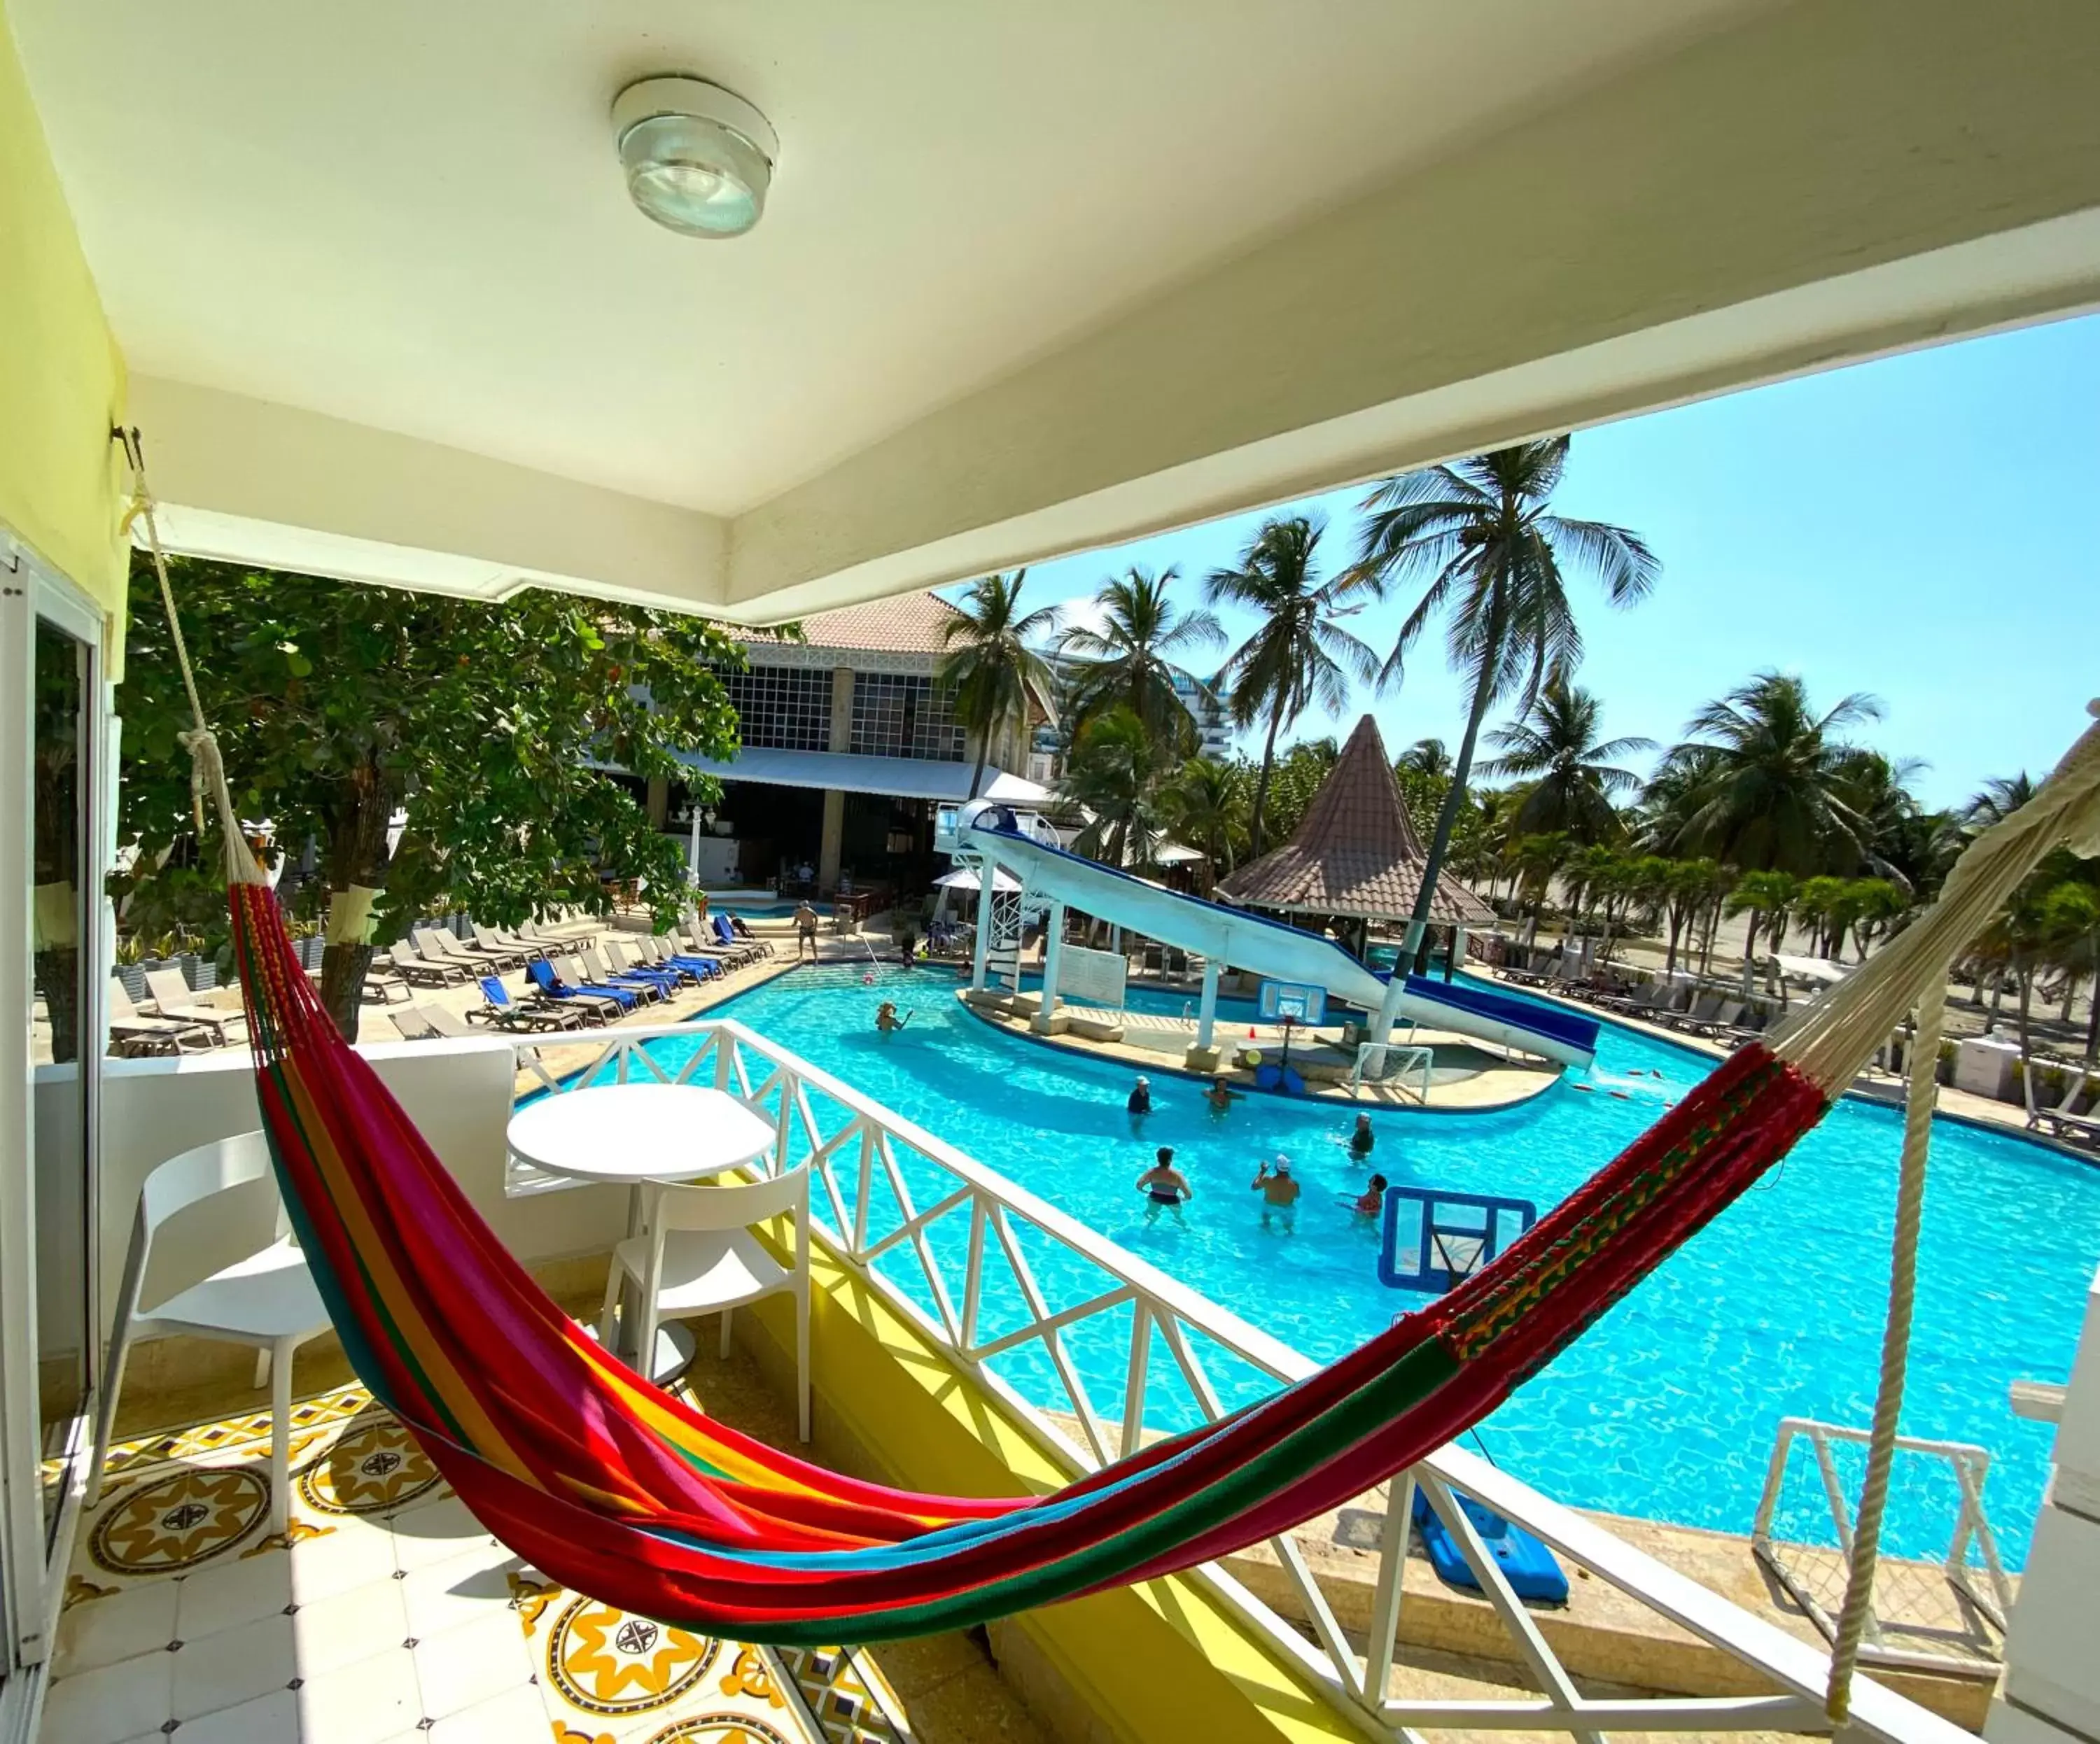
column 1279, row 1190
column 1140, row 1096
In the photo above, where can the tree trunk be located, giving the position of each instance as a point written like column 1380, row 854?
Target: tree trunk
column 1750, row 953
column 1711, row 926
column 2026, row 999
column 976, row 774
column 356, row 859
column 2093, row 1017
column 1261, row 781
column 1462, row 773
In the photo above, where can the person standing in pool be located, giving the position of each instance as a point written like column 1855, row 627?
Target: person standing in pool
column 1164, row 1186
column 1140, row 1098
column 886, row 1019
column 1279, row 1193
column 806, row 930
column 1372, row 1199
column 1220, row 1095
column 1361, row 1140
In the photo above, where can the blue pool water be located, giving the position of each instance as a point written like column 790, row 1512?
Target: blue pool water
column 1666, row 1408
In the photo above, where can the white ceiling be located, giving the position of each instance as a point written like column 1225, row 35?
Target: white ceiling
column 408, row 215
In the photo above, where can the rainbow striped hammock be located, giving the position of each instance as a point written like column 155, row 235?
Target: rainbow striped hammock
column 620, row 1491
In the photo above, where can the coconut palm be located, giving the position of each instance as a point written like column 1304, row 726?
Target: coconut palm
column 989, row 664
column 1537, row 860
column 1479, row 535
column 1206, row 805
column 1114, row 773
column 1998, row 798
column 1769, row 787
column 1300, row 654
column 1573, row 775
column 1131, row 660
column 1427, row 757
column 1766, row 897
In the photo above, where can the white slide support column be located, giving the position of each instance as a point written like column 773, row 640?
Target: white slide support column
column 1053, row 949
column 987, row 876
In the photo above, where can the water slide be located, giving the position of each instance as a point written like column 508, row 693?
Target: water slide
column 1240, row 939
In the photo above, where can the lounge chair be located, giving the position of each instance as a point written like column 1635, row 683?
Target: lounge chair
column 662, row 953
column 413, row 1023
column 573, row 971
column 500, row 1010
column 517, row 949
column 134, row 1033
column 383, row 981
column 2061, row 1118
column 552, row 987
column 722, row 932
column 449, row 1023
column 629, row 956
column 172, row 999
column 1704, row 1011
column 1715, row 1023
column 438, row 945
column 651, row 987
column 700, row 941
column 418, row 971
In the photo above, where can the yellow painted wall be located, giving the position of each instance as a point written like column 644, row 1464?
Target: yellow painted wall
column 1163, row 1663
column 61, row 377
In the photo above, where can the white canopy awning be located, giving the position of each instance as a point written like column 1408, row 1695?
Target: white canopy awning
column 965, row 878
column 901, row 777
column 1812, row 968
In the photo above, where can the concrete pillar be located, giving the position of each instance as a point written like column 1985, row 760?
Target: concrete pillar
column 1053, row 950
column 832, row 840
column 987, row 876
column 658, row 800
column 1456, row 961
column 2051, row 1691
column 693, row 848
column 1204, row 1056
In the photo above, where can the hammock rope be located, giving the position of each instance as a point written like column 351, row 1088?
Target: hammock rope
column 633, row 1495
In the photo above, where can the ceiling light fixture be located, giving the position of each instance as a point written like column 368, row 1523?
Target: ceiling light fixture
column 697, row 158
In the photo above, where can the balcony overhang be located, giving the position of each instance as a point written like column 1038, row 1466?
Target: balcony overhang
column 1809, row 185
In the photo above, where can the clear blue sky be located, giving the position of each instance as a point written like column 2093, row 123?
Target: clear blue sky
column 1919, row 528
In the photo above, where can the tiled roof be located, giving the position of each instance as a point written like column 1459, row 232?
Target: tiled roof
column 1354, row 852
column 910, row 623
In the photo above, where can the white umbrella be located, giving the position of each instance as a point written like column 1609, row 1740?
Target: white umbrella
column 965, row 878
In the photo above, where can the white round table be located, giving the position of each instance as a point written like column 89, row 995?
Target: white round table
column 642, row 1135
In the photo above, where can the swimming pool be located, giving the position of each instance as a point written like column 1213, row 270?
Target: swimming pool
column 1667, row 1408
column 759, row 909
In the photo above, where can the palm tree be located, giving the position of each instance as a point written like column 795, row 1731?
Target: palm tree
column 1206, row 805
column 990, row 664
column 1300, row 654
column 1770, row 790
column 1537, row 860
column 1129, row 662
column 1115, row 771
column 1999, row 799
column 1428, row 757
column 1573, row 776
column 1479, row 535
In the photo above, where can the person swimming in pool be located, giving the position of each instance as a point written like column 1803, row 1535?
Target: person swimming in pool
column 1279, row 1191
column 1140, row 1097
column 886, row 1019
column 1220, row 1095
column 1361, row 1140
column 1164, row 1186
column 1371, row 1201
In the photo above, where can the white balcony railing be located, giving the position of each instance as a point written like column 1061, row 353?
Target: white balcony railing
column 946, row 1241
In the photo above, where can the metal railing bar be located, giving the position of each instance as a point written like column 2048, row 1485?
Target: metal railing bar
column 1056, row 1322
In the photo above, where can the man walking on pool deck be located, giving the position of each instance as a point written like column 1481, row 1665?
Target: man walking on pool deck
column 806, row 930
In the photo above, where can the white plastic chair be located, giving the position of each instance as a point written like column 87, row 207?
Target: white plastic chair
column 268, row 1299
column 698, row 1256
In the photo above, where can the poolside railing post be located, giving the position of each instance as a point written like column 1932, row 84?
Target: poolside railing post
column 1393, row 1533
column 1053, row 950
column 987, row 876
column 1133, row 1385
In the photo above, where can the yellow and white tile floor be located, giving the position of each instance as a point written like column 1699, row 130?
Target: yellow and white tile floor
column 389, row 1618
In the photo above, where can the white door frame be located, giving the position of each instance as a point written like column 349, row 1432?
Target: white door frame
column 31, row 1567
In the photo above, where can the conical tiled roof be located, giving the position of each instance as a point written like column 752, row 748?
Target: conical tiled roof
column 1354, row 852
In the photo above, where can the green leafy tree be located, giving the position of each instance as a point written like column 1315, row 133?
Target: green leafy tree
column 1299, row 655
column 1206, row 805
column 990, row 661
column 1133, row 659
column 1480, row 537
column 1427, row 757
column 1574, row 778
column 1997, row 800
column 1768, row 781
column 486, row 728
column 1685, row 888
column 1298, row 775
column 1537, row 860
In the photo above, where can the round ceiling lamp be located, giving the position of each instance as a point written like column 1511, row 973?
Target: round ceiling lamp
column 697, row 158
